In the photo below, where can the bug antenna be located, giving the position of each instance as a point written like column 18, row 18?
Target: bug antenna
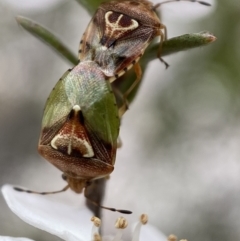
column 169, row 1
column 41, row 193
column 107, row 208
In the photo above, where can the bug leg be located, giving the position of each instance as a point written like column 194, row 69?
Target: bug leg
column 164, row 62
column 163, row 37
column 124, row 107
column 165, row 32
column 169, row 1
column 138, row 71
column 120, row 98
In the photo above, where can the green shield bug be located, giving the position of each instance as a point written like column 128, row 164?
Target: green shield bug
column 80, row 128
column 118, row 35
column 80, row 124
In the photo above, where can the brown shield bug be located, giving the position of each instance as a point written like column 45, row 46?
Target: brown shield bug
column 118, row 35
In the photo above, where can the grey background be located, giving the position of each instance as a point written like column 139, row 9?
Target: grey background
column 180, row 157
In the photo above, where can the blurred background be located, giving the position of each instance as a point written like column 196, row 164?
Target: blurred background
column 180, row 160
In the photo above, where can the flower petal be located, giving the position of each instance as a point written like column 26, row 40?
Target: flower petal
column 149, row 232
column 5, row 238
column 50, row 213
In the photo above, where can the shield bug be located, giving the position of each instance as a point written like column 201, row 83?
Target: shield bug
column 118, row 35
column 80, row 127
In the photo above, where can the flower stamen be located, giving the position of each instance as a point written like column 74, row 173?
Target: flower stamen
column 97, row 237
column 95, row 229
column 120, row 224
column 136, row 232
column 172, row 237
column 144, row 219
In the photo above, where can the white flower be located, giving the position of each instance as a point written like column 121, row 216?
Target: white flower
column 67, row 221
column 4, row 238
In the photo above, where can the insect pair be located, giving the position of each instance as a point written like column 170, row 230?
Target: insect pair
column 81, row 120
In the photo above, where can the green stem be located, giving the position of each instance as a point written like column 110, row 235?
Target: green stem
column 47, row 37
column 90, row 5
column 180, row 43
